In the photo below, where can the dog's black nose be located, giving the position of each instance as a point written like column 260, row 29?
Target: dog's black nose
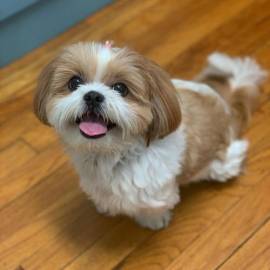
column 93, row 98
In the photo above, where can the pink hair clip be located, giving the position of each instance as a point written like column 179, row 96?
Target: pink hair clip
column 109, row 44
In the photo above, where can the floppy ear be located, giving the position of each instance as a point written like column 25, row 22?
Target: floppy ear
column 42, row 92
column 164, row 101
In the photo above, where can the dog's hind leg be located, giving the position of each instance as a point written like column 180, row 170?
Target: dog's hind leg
column 224, row 169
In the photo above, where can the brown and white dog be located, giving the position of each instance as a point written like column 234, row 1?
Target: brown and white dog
column 134, row 135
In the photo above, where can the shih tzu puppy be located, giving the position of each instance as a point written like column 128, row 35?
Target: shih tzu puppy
column 135, row 136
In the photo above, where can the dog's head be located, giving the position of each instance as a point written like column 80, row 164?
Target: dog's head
column 102, row 97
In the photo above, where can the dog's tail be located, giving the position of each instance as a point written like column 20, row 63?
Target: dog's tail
column 238, row 81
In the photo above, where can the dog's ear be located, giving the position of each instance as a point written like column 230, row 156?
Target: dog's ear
column 42, row 92
column 164, row 101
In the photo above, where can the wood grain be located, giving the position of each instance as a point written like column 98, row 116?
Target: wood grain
column 19, row 181
column 254, row 254
column 228, row 232
column 9, row 157
column 48, row 223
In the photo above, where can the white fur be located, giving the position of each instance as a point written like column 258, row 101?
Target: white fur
column 69, row 107
column 105, row 55
column 245, row 71
column 194, row 86
column 136, row 179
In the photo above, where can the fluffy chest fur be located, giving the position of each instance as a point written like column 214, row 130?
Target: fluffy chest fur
column 133, row 180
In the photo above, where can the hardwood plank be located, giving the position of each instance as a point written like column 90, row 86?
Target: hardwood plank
column 225, row 39
column 52, row 255
column 15, row 156
column 229, row 232
column 56, row 204
column 155, row 24
column 178, row 234
column 195, row 28
column 30, row 130
column 103, row 254
column 108, row 251
column 14, row 127
column 255, row 254
column 40, row 137
column 29, row 175
column 14, row 107
column 58, row 215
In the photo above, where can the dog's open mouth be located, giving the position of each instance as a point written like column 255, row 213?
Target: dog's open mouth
column 93, row 126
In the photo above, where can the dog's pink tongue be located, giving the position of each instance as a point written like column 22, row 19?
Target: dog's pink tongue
column 92, row 128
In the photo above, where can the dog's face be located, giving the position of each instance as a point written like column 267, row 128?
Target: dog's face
column 101, row 98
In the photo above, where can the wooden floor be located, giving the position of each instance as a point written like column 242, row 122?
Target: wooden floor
column 46, row 222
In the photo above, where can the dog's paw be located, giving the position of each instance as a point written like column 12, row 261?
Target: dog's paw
column 155, row 222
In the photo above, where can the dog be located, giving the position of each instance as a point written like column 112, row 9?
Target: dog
column 135, row 135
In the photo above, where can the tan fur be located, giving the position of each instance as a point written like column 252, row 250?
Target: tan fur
column 209, row 128
column 42, row 92
column 165, row 106
column 207, row 132
column 150, row 85
column 242, row 101
column 73, row 60
column 78, row 59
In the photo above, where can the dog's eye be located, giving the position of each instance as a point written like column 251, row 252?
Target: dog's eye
column 121, row 88
column 74, row 83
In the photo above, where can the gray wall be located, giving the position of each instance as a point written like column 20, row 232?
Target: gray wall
column 26, row 24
